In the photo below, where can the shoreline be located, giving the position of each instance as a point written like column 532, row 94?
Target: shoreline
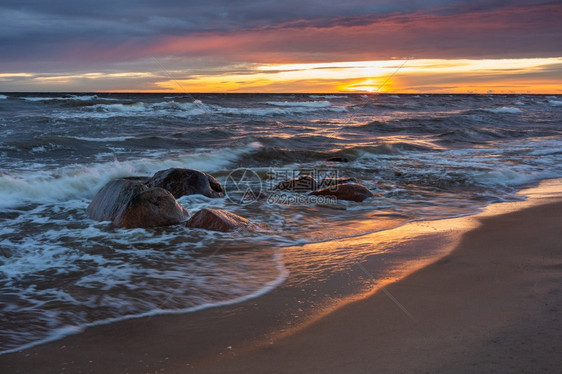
column 272, row 322
column 493, row 304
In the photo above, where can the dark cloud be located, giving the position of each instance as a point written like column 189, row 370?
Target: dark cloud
column 108, row 35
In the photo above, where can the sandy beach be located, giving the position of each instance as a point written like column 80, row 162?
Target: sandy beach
column 493, row 304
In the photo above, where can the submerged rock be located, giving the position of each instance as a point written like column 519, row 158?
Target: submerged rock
column 219, row 220
column 149, row 208
column 346, row 191
column 180, row 182
column 334, row 182
column 300, row 184
column 114, row 196
column 338, row 159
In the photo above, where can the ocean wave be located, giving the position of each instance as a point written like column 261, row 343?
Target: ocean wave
column 109, row 110
column 61, row 332
column 121, row 108
column 477, row 135
column 3, row 97
column 555, row 102
column 275, row 111
column 38, row 98
column 106, row 139
column 81, row 182
column 396, row 146
column 64, row 98
column 45, row 148
column 197, row 108
column 307, row 104
column 81, row 98
column 328, row 96
column 276, row 152
column 504, row 109
column 137, row 291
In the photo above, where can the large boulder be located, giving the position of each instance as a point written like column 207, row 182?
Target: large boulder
column 128, row 202
column 113, row 196
column 180, row 182
column 346, row 191
column 149, row 208
column 218, row 220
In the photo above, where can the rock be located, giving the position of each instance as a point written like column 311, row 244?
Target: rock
column 182, row 182
column 218, row 220
column 333, row 182
column 113, row 196
column 300, row 184
column 347, row 191
column 337, row 159
column 128, row 202
column 5, row 252
column 149, row 208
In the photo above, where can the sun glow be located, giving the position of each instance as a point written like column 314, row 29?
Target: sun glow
column 415, row 76
column 538, row 75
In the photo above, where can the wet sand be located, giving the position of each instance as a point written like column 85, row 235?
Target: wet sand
column 494, row 304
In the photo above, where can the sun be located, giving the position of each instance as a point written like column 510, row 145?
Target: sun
column 370, row 85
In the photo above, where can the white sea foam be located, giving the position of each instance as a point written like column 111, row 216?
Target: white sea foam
column 3, row 97
column 307, row 104
column 172, row 108
column 555, row 102
column 75, row 182
column 107, row 139
column 62, row 332
column 276, row 111
column 194, row 108
column 82, row 98
column 197, row 108
column 327, row 97
column 32, row 98
column 121, row 108
column 72, row 97
column 39, row 149
column 504, row 109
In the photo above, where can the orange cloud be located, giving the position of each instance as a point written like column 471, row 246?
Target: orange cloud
column 416, row 76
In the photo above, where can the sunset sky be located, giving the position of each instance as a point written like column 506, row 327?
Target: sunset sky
column 438, row 46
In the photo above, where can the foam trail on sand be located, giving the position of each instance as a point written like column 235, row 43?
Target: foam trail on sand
column 76, row 329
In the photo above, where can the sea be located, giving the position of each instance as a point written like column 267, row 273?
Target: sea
column 425, row 157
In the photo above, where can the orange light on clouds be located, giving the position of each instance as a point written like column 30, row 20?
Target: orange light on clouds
column 537, row 75
column 415, row 76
